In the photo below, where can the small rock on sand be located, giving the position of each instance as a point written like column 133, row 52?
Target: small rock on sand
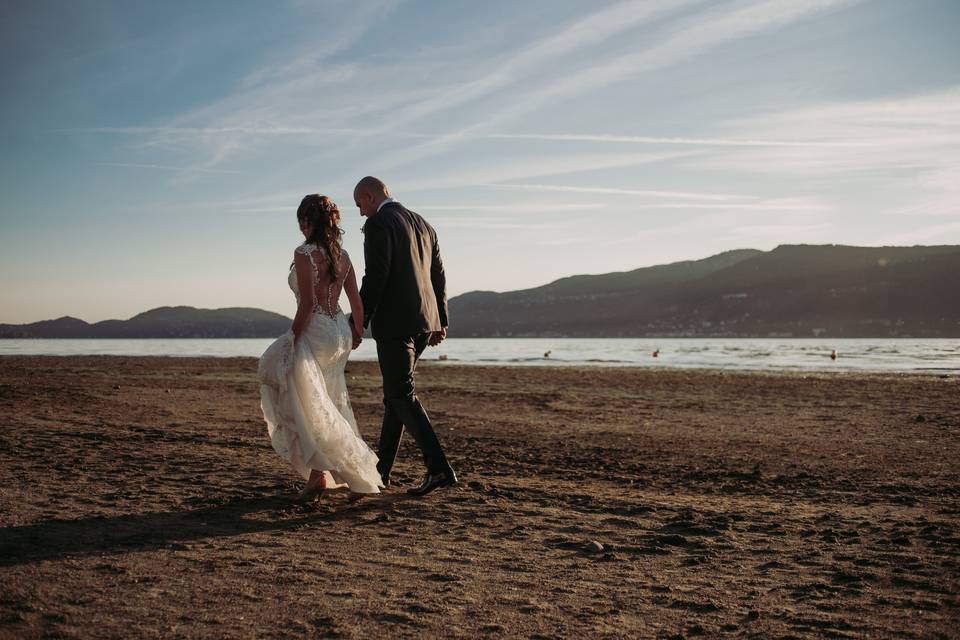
column 594, row 547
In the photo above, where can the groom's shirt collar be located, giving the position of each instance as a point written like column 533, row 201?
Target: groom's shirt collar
column 385, row 203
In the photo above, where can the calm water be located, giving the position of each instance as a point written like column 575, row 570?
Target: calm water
column 905, row 355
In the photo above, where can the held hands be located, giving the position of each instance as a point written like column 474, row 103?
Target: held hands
column 356, row 330
column 436, row 337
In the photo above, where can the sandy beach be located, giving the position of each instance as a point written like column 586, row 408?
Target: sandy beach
column 140, row 497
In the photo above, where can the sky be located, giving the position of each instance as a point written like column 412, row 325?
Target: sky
column 154, row 154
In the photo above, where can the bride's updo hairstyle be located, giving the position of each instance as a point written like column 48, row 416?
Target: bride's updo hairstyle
column 322, row 214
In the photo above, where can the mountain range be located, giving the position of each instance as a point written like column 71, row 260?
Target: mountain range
column 164, row 322
column 791, row 291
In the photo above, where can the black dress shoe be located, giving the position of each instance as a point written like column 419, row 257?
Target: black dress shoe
column 434, row 481
column 384, row 476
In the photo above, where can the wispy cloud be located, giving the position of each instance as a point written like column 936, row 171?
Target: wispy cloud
column 536, row 167
column 939, row 192
column 329, row 42
column 750, row 226
column 304, row 91
column 498, row 224
column 913, row 142
column 780, row 230
column 246, row 130
column 897, row 132
column 695, row 195
column 740, row 203
column 135, row 165
column 693, row 36
column 689, row 38
column 697, row 142
column 534, row 59
column 775, row 204
column 517, row 207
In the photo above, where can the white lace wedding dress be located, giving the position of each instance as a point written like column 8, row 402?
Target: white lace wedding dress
column 303, row 391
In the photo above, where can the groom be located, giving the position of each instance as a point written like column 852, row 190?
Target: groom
column 404, row 292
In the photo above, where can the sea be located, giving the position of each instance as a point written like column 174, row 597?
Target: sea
column 931, row 356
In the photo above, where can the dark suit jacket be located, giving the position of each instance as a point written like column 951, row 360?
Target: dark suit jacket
column 404, row 288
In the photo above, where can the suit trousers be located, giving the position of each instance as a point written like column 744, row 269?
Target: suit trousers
column 398, row 360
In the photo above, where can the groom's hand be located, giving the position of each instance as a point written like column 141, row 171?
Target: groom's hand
column 436, row 337
column 357, row 336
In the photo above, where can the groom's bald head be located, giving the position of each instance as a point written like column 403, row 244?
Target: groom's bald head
column 373, row 186
column 369, row 193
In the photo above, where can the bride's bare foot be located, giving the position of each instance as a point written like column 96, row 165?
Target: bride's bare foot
column 314, row 487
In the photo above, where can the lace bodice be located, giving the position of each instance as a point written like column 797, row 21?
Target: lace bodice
column 326, row 292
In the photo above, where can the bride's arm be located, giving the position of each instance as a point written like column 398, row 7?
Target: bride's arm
column 305, row 286
column 353, row 295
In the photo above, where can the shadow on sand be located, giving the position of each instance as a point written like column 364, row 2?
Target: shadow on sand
column 56, row 539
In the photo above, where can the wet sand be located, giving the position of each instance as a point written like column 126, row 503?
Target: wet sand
column 140, row 497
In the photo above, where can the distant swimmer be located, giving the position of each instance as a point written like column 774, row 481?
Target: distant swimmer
column 546, row 354
column 656, row 353
column 443, row 356
column 833, row 354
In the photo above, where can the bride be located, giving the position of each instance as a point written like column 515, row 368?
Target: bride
column 303, row 392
